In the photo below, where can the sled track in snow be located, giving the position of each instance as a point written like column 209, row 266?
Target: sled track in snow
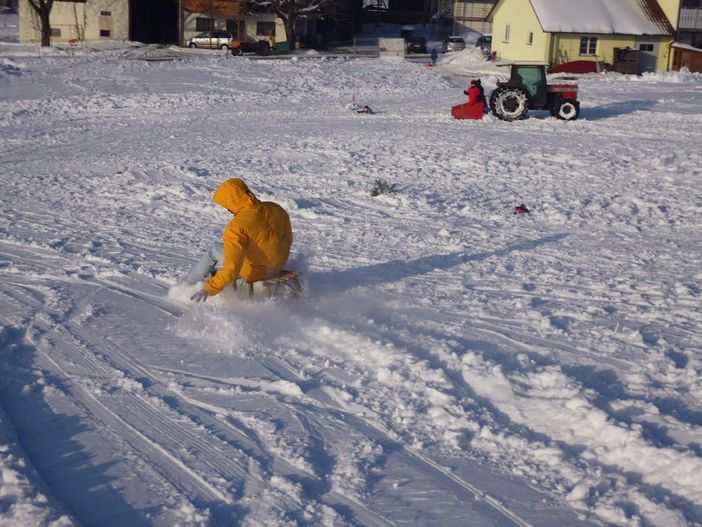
column 160, row 430
column 150, row 439
column 174, row 427
column 285, row 371
column 369, row 427
column 275, row 366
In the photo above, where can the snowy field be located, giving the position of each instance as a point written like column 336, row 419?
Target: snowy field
column 452, row 364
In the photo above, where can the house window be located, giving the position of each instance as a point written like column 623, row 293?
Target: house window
column 265, row 28
column 506, row 39
column 530, row 38
column 105, row 13
column 232, row 27
column 646, row 47
column 204, row 24
column 55, row 31
column 104, row 32
column 588, row 45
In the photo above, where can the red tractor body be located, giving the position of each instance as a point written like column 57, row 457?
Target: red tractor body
column 566, row 91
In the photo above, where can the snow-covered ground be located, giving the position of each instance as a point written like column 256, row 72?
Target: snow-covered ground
column 9, row 27
column 452, row 364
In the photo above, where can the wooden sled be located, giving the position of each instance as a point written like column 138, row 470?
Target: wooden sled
column 285, row 280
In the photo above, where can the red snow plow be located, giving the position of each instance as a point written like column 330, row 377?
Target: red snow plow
column 474, row 108
column 467, row 111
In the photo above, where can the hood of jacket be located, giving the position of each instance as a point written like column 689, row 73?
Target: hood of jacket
column 234, row 196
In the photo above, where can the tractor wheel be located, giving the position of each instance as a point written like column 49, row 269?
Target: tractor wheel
column 566, row 110
column 237, row 51
column 509, row 104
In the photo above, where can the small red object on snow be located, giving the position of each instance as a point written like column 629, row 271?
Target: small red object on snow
column 521, row 209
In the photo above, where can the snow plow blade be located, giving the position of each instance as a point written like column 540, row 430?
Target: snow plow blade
column 467, row 111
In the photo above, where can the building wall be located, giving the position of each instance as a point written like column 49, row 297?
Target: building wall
column 566, row 48
column 671, row 8
column 471, row 16
column 92, row 20
column 690, row 59
column 517, row 33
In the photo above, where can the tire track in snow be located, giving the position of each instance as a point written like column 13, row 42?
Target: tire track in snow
column 75, row 353
column 456, row 372
column 223, row 434
column 199, row 413
column 345, row 415
column 217, row 412
column 351, row 412
column 521, row 389
column 285, row 370
column 123, row 414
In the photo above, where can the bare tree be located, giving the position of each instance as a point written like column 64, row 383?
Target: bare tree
column 80, row 24
column 43, row 10
column 290, row 10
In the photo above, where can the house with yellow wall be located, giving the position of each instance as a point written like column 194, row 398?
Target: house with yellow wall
column 560, row 31
column 73, row 21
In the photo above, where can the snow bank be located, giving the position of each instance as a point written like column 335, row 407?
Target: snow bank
column 467, row 61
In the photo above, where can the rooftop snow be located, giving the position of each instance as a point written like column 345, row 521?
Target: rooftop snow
column 623, row 17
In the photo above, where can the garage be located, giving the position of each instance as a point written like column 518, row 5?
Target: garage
column 153, row 22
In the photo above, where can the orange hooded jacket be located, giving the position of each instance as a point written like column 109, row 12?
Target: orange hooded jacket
column 256, row 241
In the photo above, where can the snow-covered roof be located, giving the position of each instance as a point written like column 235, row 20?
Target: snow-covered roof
column 610, row 17
column 682, row 45
column 505, row 63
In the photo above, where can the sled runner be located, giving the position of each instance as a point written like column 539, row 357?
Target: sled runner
column 287, row 280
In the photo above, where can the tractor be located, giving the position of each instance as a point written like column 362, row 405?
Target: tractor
column 526, row 89
column 260, row 47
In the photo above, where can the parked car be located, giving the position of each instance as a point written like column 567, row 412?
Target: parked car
column 211, row 39
column 416, row 45
column 484, row 42
column 453, row 44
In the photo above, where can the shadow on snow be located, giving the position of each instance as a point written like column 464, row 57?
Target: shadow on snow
column 395, row 270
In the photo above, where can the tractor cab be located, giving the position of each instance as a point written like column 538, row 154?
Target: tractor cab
column 527, row 89
column 533, row 79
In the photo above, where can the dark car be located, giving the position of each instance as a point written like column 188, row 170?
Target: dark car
column 484, row 42
column 416, row 45
column 251, row 45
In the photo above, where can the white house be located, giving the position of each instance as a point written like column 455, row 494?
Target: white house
column 148, row 21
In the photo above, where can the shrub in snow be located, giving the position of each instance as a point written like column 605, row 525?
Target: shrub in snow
column 382, row 187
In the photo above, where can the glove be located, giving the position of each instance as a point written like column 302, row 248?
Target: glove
column 200, row 296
